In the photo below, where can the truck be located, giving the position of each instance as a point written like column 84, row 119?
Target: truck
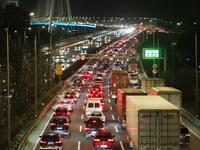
column 119, row 79
column 171, row 94
column 121, row 102
column 152, row 123
column 147, row 83
column 133, row 67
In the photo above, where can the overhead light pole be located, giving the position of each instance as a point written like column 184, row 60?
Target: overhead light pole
column 196, row 74
column 8, row 75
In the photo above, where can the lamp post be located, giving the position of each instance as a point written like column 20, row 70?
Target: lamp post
column 8, row 74
column 196, row 74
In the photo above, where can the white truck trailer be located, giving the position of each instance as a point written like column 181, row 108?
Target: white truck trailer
column 152, row 123
column 171, row 94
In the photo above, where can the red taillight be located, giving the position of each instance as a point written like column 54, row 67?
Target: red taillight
column 96, row 140
column 58, row 141
column 86, row 129
column 123, row 121
column 43, row 141
column 111, row 140
column 101, row 129
column 66, row 124
column 53, row 124
column 187, row 135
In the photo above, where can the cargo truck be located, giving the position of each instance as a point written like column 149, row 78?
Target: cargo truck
column 121, row 102
column 171, row 94
column 119, row 79
column 133, row 67
column 152, row 123
column 147, row 83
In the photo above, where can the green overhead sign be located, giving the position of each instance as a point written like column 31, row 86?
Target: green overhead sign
column 151, row 53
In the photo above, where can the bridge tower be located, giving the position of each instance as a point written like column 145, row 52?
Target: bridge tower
column 52, row 10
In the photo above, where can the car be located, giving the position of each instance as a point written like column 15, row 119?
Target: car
column 99, row 81
column 98, row 96
column 51, row 140
column 133, row 81
column 66, row 103
column 98, row 114
column 97, row 92
column 61, row 125
column 62, row 112
column 71, row 98
column 136, row 85
column 76, row 87
column 73, row 91
column 93, row 105
column 85, row 75
column 103, row 140
column 93, row 125
column 99, row 76
column 78, row 83
column 97, row 87
column 184, row 135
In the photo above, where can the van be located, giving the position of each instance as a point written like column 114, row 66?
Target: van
column 92, row 105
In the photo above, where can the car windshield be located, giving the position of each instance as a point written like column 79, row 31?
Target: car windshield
column 96, row 114
column 59, row 120
column 94, row 123
column 103, row 136
column 50, row 138
column 61, row 110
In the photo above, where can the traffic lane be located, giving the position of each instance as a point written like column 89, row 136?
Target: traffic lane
column 77, row 139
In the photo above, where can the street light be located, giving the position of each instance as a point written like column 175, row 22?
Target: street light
column 8, row 73
column 196, row 74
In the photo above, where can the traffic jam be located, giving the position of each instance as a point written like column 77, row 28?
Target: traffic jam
column 91, row 113
column 91, row 83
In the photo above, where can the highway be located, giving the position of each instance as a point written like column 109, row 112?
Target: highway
column 77, row 139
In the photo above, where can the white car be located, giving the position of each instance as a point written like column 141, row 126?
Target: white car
column 98, row 114
column 133, row 81
column 92, row 105
column 66, row 103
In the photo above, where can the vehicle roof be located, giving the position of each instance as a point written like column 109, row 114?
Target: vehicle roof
column 150, row 102
column 51, row 133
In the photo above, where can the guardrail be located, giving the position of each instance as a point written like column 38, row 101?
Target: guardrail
column 190, row 118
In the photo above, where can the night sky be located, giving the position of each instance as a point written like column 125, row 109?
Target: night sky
column 163, row 9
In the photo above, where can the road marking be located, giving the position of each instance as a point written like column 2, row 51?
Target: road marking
column 109, row 101
column 122, row 146
column 79, row 145
column 80, row 129
column 83, row 107
column 43, row 130
column 108, row 95
column 116, row 129
column 85, row 101
column 113, row 117
column 82, row 116
column 110, row 107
